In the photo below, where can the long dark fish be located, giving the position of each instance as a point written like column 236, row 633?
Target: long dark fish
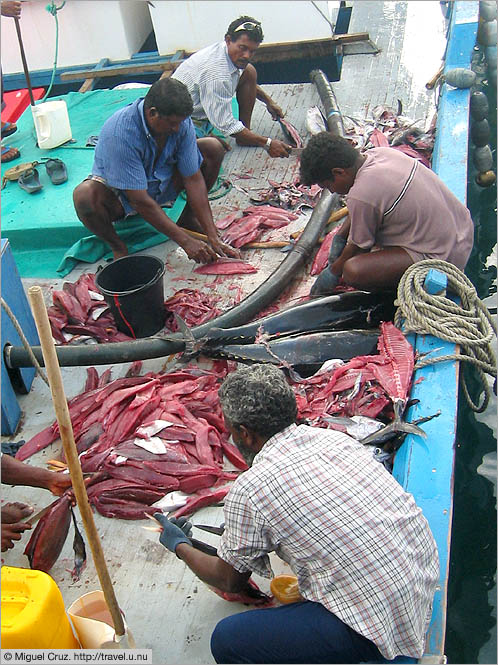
column 297, row 350
column 79, row 552
column 354, row 309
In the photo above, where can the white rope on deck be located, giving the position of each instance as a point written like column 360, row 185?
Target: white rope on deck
column 25, row 342
column 468, row 324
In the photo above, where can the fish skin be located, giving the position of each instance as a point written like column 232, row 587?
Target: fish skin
column 311, row 348
column 315, row 122
column 291, row 133
column 49, row 536
column 79, row 552
column 354, row 309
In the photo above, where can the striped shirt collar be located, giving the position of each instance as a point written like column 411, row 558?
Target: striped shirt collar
column 231, row 67
column 141, row 113
column 276, row 441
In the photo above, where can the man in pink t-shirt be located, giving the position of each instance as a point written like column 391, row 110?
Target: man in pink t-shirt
column 400, row 212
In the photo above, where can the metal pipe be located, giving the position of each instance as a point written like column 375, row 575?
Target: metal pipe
column 155, row 347
column 327, row 97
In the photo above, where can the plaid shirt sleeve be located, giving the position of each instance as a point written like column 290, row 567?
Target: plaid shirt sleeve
column 246, row 542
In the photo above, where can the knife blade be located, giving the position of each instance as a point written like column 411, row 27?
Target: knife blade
column 32, row 519
column 296, row 151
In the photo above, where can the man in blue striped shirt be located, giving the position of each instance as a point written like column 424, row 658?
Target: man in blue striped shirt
column 216, row 73
column 146, row 154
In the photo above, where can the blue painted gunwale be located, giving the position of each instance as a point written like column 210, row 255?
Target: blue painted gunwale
column 425, row 468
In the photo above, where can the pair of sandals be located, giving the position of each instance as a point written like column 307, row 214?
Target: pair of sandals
column 56, row 170
column 9, row 153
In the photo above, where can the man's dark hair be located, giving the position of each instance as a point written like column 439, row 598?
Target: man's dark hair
column 323, row 153
column 169, row 97
column 253, row 31
column 259, row 398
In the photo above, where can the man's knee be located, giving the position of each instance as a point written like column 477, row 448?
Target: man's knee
column 221, row 641
column 84, row 198
column 249, row 76
column 212, row 151
column 352, row 272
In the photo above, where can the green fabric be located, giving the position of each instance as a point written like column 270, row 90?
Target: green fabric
column 42, row 226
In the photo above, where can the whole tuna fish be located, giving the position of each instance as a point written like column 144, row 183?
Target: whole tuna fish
column 354, row 309
column 299, row 350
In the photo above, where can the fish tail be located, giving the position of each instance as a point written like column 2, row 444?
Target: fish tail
column 395, row 426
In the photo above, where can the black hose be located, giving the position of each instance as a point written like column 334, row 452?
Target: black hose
column 155, row 347
column 327, row 97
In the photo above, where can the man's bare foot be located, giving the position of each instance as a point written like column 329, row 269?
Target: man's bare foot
column 15, row 512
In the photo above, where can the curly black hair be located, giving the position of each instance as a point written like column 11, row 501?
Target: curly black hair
column 323, row 153
column 259, row 398
column 254, row 33
column 169, row 97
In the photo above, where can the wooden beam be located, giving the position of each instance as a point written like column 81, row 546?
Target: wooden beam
column 265, row 53
column 120, row 70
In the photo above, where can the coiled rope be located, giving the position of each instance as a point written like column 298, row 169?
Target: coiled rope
column 24, row 341
column 469, row 324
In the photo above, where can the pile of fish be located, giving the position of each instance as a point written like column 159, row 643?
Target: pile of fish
column 389, row 128
column 288, row 195
column 193, row 306
column 143, row 437
column 373, row 386
column 80, row 313
column 255, row 220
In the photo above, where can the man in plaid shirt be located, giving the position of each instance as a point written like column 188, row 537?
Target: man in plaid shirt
column 362, row 551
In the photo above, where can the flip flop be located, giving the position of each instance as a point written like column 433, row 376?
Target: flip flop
column 8, row 128
column 30, row 181
column 8, row 153
column 56, row 170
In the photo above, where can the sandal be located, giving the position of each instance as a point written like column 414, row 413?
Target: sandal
column 30, row 181
column 8, row 153
column 56, row 170
column 8, row 128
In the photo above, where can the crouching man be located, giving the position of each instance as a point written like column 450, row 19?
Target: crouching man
column 362, row 551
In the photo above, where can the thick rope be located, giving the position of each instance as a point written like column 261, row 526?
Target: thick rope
column 24, row 341
column 469, row 324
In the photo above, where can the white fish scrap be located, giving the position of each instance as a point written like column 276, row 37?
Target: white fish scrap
column 315, row 122
column 171, row 501
column 149, row 430
column 154, row 445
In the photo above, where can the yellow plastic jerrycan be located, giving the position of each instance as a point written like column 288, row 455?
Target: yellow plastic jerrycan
column 33, row 614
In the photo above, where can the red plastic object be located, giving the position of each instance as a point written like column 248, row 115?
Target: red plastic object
column 16, row 101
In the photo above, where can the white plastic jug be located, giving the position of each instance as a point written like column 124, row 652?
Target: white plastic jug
column 51, row 124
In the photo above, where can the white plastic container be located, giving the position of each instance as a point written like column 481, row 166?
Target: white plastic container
column 51, row 124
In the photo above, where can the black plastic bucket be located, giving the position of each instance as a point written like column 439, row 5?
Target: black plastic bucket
column 133, row 288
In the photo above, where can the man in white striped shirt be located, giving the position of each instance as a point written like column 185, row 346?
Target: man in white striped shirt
column 363, row 553
column 216, row 73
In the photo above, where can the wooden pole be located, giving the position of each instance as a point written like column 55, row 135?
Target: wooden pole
column 71, row 453
column 24, row 63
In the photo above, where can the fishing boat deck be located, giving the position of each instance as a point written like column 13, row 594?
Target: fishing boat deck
column 167, row 608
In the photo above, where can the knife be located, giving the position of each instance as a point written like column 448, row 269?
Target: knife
column 34, row 518
column 296, row 151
